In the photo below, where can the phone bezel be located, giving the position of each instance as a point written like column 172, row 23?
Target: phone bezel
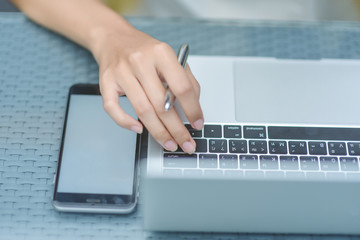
column 101, row 201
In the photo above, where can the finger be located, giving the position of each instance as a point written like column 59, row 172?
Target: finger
column 182, row 87
column 146, row 113
column 155, row 92
column 110, row 97
column 172, row 121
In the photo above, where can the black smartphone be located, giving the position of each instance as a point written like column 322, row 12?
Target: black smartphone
column 98, row 161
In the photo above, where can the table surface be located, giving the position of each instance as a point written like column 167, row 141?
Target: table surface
column 37, row 67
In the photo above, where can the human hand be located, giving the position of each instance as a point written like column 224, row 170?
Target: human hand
column 133, row 63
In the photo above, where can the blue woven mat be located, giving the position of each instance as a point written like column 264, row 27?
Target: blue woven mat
column 36, row 69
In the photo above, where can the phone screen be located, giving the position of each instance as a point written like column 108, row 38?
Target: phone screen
column 97, row 156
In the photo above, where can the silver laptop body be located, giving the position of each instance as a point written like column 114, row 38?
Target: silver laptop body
column 279, row 151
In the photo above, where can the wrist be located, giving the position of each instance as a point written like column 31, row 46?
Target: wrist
column 103, row 35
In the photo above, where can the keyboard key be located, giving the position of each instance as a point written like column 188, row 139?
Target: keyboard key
column 208, row 161
column 297, row 147
column 315, row 175
column 193, row 132
column 254, row 132
column 178, row 150
column 212, row 131
column 213, row 173
column 353, row 176
column 349, row 164
column 295, row 175
column 228, row 161
column 329, row 163
column 173, row 160
column 192, row 172
column 217, row 146
column 234, row 173
column 274, row 174
column 172, row 172
column 254, row 174
column 201, row 145
column 269, row 162
column 335, row 175
column 337, row 148
column 277, row 147
column 257, row 146
column 309, row 163
column 249, row 162
column 232, row 131
column 289, row 163
column 354, row 148
column 317, row 148
column 237, row 146
column 314, row 133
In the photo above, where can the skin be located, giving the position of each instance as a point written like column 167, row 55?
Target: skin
column 130, row 62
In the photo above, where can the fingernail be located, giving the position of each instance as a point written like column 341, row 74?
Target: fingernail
column 171, row 146
column 188, row 147
column 136, row 129
column 199, row 124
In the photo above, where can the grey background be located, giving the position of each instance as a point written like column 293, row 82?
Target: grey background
column 6, row 6
column 308, row 10
column 37, row 67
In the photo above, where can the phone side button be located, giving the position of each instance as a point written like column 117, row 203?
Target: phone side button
column 54, row 179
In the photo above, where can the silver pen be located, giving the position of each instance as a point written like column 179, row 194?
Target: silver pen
column 182, row 56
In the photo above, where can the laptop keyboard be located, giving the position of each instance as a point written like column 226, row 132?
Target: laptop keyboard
column 237, row 150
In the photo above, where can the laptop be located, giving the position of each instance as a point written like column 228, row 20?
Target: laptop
column 279, row 152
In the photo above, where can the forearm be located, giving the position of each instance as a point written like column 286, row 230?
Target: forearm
column 83, row 21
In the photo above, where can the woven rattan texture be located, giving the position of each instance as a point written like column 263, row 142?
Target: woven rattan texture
column 36, row 69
